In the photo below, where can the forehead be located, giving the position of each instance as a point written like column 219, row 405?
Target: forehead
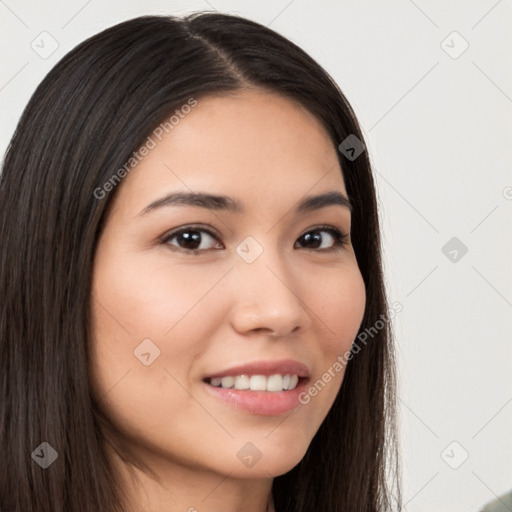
column 251, row 144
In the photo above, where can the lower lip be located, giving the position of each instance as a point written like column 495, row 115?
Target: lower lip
column 264, row 403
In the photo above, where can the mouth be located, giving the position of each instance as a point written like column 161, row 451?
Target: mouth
column 263, row 388
column 272, row 383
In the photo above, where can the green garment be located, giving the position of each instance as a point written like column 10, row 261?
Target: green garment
column 503, row 504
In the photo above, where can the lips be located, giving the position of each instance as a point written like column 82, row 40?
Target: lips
column 292, row 376
column 265, row 368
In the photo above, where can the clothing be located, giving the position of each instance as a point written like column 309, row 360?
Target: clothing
column 502, row 504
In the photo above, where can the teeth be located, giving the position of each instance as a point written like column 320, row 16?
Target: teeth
column 274, row 383
column 242, row 382
column 258, row 383
column 228, row 382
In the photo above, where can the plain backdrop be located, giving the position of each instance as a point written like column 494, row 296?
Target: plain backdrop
column 431, row 84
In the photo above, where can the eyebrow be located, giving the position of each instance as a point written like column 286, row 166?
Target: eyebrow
column 216, row 202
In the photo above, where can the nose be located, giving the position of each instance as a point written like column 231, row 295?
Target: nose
column 266, row 297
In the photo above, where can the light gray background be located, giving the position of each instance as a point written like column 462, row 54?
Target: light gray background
column 438, row 130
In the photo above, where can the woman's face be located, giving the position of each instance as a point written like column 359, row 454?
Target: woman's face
column 185, row 294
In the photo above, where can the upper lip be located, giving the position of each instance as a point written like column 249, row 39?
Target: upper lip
column 266, row 368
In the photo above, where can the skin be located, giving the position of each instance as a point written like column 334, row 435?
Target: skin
column 210, row 311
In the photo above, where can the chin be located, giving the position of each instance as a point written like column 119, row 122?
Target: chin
column 266, row 459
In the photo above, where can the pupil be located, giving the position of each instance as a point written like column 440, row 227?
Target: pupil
column 317, row 238
column 193, row 239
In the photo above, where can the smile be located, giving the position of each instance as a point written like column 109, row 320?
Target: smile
column 271, row 383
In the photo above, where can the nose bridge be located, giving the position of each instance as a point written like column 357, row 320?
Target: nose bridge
column 265, row 296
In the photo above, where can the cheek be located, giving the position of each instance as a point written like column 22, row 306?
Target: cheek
column 141, row 298
column 341, row 309
column 340, row 312
column 135, row 301
column 140, row 307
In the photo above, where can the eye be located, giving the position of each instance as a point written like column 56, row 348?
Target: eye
column 317, row 241
column 196, row 239
column 193, row 239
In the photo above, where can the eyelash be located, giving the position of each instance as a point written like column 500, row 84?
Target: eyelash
column 340, row 239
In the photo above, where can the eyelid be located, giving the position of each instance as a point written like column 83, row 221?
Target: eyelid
column 199, row 227
column 326, row 227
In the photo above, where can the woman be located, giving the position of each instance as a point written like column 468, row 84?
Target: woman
column 190, row 270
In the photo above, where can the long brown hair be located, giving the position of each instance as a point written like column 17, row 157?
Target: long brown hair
column 84, row 121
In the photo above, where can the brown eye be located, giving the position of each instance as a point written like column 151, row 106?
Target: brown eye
column 196, row 240
column 315, row 240
column 192, row 239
